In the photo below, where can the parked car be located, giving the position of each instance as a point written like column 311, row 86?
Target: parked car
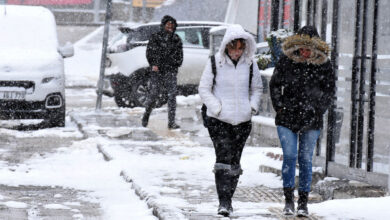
column 31, row 65
column 127, row 73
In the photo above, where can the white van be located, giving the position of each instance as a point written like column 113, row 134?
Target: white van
column 32, row 80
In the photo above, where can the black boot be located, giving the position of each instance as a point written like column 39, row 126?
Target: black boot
column 145, row 118
column 235, row 175
column 172, row 112
column 302, row 204
column 173, row 126
column 289, row 201
column 223, row 185
column 233, row 182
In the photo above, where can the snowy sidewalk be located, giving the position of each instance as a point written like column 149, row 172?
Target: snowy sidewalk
column 172, row 171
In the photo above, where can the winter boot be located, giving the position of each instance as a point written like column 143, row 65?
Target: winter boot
column 235, row 175
column 172, row 113
column 289, row 201
column 145, row 118
column 173, row 126
column 302, row 204
column 223, row 185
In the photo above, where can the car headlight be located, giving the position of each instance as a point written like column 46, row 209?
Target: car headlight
column 49, row 79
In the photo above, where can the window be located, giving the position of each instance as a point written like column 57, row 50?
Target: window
column 191, row 37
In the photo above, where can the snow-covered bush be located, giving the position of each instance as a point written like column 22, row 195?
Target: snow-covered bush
column 263, row 60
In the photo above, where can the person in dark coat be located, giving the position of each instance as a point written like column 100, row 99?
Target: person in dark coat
column 165, row 55
column 302, row 87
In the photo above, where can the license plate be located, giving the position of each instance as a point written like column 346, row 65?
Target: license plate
column 12, row 95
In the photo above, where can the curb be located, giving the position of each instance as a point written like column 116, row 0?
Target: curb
column 158, row 210
column 79, row 125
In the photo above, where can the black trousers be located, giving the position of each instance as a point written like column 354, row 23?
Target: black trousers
column 161, row 81
column 228, row 140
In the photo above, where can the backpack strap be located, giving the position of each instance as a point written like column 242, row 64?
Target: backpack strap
column 213, row 68
column 250, row 75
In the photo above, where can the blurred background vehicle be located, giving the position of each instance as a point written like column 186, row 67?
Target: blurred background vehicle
column 127, row 73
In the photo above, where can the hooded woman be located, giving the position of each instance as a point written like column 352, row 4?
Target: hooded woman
column 232, row 95
column 302, row 88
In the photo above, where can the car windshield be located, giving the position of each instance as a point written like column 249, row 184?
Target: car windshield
column 143, row 33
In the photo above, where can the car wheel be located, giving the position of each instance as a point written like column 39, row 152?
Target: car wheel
column 124, row 99
column 141, row 90
column 56, row 117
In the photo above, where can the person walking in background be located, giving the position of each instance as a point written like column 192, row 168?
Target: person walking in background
column 230, row 88
column 165, row 55
column 302, row 87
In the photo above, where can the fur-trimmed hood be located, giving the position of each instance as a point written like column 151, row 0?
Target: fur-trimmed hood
column 236, row 32
column 320, row 49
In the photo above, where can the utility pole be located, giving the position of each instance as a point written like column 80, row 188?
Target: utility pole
column 96, row 9
column 103, row 58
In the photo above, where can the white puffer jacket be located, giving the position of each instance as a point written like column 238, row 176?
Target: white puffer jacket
column 231, row 100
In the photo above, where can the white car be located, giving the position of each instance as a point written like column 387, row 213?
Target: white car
column 31, row 65
column 127, row 70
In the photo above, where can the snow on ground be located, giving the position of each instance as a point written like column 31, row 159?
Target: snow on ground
column 188, row 100
column 70, row 130
column 186, row 163
column 14, row 204
column 55, row 206
column 361, row 208
column 82, row 167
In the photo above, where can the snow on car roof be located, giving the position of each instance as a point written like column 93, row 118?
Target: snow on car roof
column 27, row 27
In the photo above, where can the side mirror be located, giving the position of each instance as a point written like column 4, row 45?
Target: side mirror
column 67, row 50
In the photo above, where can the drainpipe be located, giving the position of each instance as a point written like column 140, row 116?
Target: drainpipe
column 371, row 119
column 354, row 89
column 330, row 142
column 362, row 89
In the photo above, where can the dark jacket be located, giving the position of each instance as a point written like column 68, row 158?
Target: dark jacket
column 302, row 91
column 165, row 49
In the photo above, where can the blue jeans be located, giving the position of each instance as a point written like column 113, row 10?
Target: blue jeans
column 307, row 142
